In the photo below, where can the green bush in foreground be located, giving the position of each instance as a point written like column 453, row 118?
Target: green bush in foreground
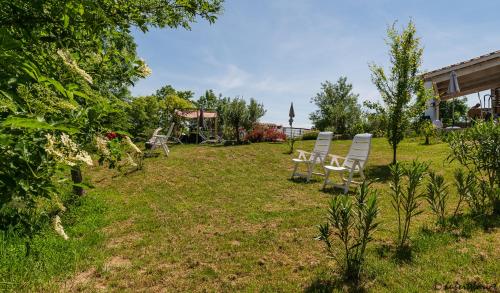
column 478, row 150
column 310, row 135
column 437, row 196
column 406, row 197
column 352, row 223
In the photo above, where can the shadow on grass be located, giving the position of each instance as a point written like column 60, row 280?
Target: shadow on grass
column 334, row 284
column 381, row 172
column 337, row 191
column 403, row 255
column 303, row 180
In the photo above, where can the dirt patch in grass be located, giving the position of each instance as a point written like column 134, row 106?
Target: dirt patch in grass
column 80, row 280
column 117, row 262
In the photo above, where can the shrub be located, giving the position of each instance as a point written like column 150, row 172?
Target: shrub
column 437, row 196
column 352, row 223
column 478, row 150
column 473, row 191
column 274, row 135
column 406, row 197
column 256, row 134
column 310, row 135
column 262, row 133
column 428, row 130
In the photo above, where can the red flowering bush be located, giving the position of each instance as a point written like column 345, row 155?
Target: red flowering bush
column 113, row 135
column 274, row 135
column 256, row 134
column 262, row 133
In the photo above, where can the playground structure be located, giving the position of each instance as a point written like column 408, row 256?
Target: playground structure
column 202, row 124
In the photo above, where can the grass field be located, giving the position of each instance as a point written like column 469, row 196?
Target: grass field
column 230, row 219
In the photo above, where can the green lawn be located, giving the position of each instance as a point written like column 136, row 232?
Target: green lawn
column 229, row 219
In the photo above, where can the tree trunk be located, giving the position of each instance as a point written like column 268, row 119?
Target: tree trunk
column 76, row 176
column 394, row 150
column 237, row 132
column 427, row 142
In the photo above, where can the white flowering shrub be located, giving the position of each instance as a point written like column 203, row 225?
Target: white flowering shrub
column 118, row 151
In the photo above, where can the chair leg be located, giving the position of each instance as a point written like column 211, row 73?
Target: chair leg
column 348, row 181
column 327, row 174
column 295, row 170
column 309, row 171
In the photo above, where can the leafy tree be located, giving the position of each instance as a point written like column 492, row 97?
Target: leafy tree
column 66, row 66
column 169, row 90
column 209, row 100
column 401, row 84
column 150, row 112
column 255, row 111
column 338, row 107
column 453, row 109
column 236, row 116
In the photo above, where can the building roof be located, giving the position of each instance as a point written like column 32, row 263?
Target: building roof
column 194, row 114
column 474, row 75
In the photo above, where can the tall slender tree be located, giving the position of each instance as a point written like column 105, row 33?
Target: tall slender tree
column 401, row 88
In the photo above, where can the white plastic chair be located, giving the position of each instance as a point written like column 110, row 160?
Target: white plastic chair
column 354, row 162
column 317, row 156
column 158, row 140
column 438, row 124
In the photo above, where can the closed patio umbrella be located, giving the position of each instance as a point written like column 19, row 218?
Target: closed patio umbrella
column 291, row 114
column 201, row 119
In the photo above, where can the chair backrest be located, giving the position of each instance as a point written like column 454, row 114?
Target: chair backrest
column 152, row 139
column 169, row 132
column 360, row 150
column 322, row 145
column 438, row 124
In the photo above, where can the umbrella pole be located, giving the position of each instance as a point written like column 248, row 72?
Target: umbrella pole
column 453, row 112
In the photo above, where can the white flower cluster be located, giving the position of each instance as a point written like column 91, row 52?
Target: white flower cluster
column 143, row 70
column 59, row 228
column 66, row 57
column 102, row 145
column 132, row 145
column 66, row 151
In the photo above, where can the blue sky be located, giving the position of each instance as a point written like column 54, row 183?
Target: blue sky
column 279, row 51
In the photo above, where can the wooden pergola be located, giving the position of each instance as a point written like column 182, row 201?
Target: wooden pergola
column 474, row 75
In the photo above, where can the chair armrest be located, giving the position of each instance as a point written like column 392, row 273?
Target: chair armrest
column 302, row 155
column 335, row 160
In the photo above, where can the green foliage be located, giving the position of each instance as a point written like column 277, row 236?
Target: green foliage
column 66, row 66
column 351, row 223
column 338, row 108
column 428, row 130
column 375, row 119
column 437, row 196
column 405, row 197
column 468, row 190
column 237, row 115
column 478, row 150
column 310, row 135
column 401, row 84
column 209, row 100
column 453, row 109
column 255, row 111
column 150, row 112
